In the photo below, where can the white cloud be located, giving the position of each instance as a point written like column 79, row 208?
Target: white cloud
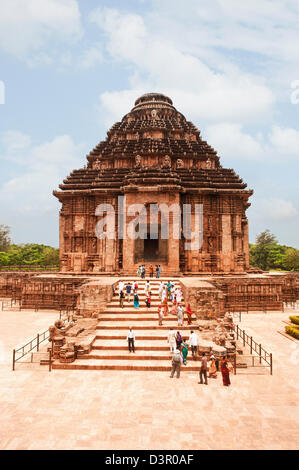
column 28, row 27
column 45, row 167
column 275, row 209
column 91, row 57
column 285, row 140
column 160, row 65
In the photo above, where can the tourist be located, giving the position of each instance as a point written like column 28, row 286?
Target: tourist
column 174, row 310
column 147, row 287
column 129, row 290
column 203, row 369
column 179, row 295
column 225, row 372
column 157, row 272
column 161, row 287
column 179, row 340
column 163, row 295
column 193, row 341
column 184, row 349
column 143, row 271
column 148, row 299
column 180, row 315
column 131, row 339
column 189, row 314
column 121, row 286
column 160, row 315
column 136, row 301
column 168, row 289
column 176, row 364
column 172, row 340
column 121, row 298
column 135, row 287
column 160, row 270
column 212, row 368
column 165, row 306
column 151, row 270
column 139, row 271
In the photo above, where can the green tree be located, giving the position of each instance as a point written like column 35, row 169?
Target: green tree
column 4, row 237
column 292, row 259
column 265, row 253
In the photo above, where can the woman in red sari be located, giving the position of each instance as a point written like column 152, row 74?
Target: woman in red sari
column 225, row 372
column 189, row 314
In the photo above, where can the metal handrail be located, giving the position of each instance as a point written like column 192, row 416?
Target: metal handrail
column 254, row 347
column 40, row 338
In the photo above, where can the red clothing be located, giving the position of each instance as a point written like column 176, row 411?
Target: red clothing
column 225, row 373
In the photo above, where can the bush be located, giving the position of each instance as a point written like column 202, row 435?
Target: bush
column 292, row 331
column 294, row 319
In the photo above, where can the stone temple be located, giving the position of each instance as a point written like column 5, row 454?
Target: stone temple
column 154, row 156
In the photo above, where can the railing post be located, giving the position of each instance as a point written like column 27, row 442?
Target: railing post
column 271, row 364
column 37, row 342
column 237, row 331
column 13, row 359
column 235, row 364
column 244, row 338
column 260, row 353
column 250, row 344
column 50, row 361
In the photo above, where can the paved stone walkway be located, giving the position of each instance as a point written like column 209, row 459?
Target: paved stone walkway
column 147, row 410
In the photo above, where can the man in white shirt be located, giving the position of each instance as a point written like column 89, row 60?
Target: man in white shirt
column 121, row 286
column 131, row 339
column 172, row 340
column 193, row 341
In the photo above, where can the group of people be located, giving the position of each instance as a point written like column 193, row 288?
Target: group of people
column 179, row 347
column 170, row 293
column 141, row 271
column 131, row 289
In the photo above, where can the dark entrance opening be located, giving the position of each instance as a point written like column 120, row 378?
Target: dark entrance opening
column 151, row 249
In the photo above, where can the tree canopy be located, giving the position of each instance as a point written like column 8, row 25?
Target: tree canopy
column 267, row 254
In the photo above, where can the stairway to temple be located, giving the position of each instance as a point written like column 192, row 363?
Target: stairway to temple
column 110, row 348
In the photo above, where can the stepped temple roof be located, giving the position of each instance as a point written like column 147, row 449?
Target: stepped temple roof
column 153, row 145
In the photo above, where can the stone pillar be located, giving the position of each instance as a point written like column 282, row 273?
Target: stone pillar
column 226, row 242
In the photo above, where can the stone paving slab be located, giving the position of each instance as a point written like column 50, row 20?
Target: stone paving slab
column 73, row 409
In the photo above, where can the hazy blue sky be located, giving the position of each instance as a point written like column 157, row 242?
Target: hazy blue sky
column 70, row 68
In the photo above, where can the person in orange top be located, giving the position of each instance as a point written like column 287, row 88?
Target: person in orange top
column 189, row 314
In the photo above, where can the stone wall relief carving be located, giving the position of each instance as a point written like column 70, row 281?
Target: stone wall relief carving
column 179, row 163
column 166, row 163
column 138, row 161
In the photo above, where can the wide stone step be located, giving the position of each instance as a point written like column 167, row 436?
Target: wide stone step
column 97, row 364
column 129, row 317
column 144, row 335
column 139, row 355
column 145, row 326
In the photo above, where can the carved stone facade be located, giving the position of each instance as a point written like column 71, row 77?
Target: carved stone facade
column 154, row 155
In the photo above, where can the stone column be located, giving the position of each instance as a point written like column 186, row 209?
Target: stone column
column 226, row 242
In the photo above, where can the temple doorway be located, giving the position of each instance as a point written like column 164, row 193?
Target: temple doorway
column 151, row 249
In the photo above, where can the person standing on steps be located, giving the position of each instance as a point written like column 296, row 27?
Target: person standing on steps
column 179, row 340
column 193, row 341
column 143, row 271
column 172, row 340
column 189, row 314
column 131, row 340
column 129, row 290
column 151, row 270
column 136, row 300
column 180, row 314
column 121, row 298
column 121, row 286
column 157, row 272
column 176, row 364
column 160, row 315
column 148, row 299
column 203, row 369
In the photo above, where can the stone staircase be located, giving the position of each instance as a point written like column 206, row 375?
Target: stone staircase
column 110, row 349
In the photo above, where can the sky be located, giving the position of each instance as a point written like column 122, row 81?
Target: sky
column 69, row 69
